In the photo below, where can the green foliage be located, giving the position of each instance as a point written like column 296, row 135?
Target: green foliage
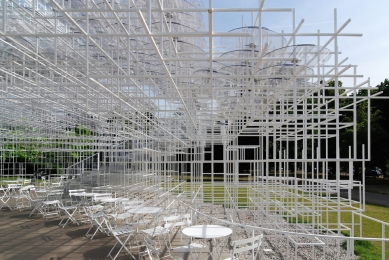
column 29, row 150
column 364, row 249
column 22, row 152
column 379, row 126
column 80, row 130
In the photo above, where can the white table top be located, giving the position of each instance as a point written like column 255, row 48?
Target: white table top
column 14, row 185
column 207, row 231
column 48, row 191
column 55, row 190
column 134, row 202
column 108, row 200
column 105, row 194
column 10, row 181
column 145, row 210
column 84, row 194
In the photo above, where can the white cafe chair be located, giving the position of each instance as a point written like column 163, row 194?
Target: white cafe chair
column 249, row 246
column 96, row 219
column 4, row 197
column 159, row 232
column 176, row 222
column 68, row 215
column 122, row 235
column 153, row 251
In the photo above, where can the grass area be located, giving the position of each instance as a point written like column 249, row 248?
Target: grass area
column 380, row 189
column 374, row 185
column 364, row 249
column 217, row 193
column 5, row 183
column 369, row 181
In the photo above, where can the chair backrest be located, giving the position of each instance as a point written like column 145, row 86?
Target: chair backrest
column 76, row 191
column 14, row 185
column 151, row 248
column 176, row 221
column 90, row 210
column 100, row 196
column 54, row 195
column 159, row 217
column 133, row 203
column 244, row 245
column 34, row 194
column 25, row 191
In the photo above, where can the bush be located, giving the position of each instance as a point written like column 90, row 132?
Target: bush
column 364, row 249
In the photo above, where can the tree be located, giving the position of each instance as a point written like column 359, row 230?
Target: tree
column 380, row 128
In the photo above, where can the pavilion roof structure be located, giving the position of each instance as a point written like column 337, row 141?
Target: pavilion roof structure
column 124, row 67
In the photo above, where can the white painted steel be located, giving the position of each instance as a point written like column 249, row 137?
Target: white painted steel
column 207, row 231
column 135, row 96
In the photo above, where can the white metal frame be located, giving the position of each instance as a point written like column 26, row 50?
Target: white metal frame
column 125, row 92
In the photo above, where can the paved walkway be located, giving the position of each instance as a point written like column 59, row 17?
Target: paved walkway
column 373, row 198
column 34, row 238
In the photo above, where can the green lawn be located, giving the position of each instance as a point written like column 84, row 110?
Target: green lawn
column 380, row 189
column 370, row 228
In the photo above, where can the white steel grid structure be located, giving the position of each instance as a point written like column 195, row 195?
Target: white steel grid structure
column 138, row 90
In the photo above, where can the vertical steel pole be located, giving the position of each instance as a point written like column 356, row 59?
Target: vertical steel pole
column 148, row 5
column 4, row 16
column 337, row 119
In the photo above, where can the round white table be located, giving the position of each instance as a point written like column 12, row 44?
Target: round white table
column 113, row 203
column 145, row 210
column 113, row 200
column 99, row 196
column 84, row 196
column 207, row 232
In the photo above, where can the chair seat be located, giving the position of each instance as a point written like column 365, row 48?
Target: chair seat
column 190, row 248
column 51, row 202
column 97, row 215
column 178, row 224
column 122, row 236
column 121, row 230
column 123, row 216
column 156, row 231
column 50, row 208
column 95, row 208
column 69, row 211
column 69, row 207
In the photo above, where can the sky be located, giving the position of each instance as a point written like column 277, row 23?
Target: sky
column 369, row 18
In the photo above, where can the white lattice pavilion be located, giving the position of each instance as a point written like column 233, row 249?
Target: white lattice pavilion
column 125, row 91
